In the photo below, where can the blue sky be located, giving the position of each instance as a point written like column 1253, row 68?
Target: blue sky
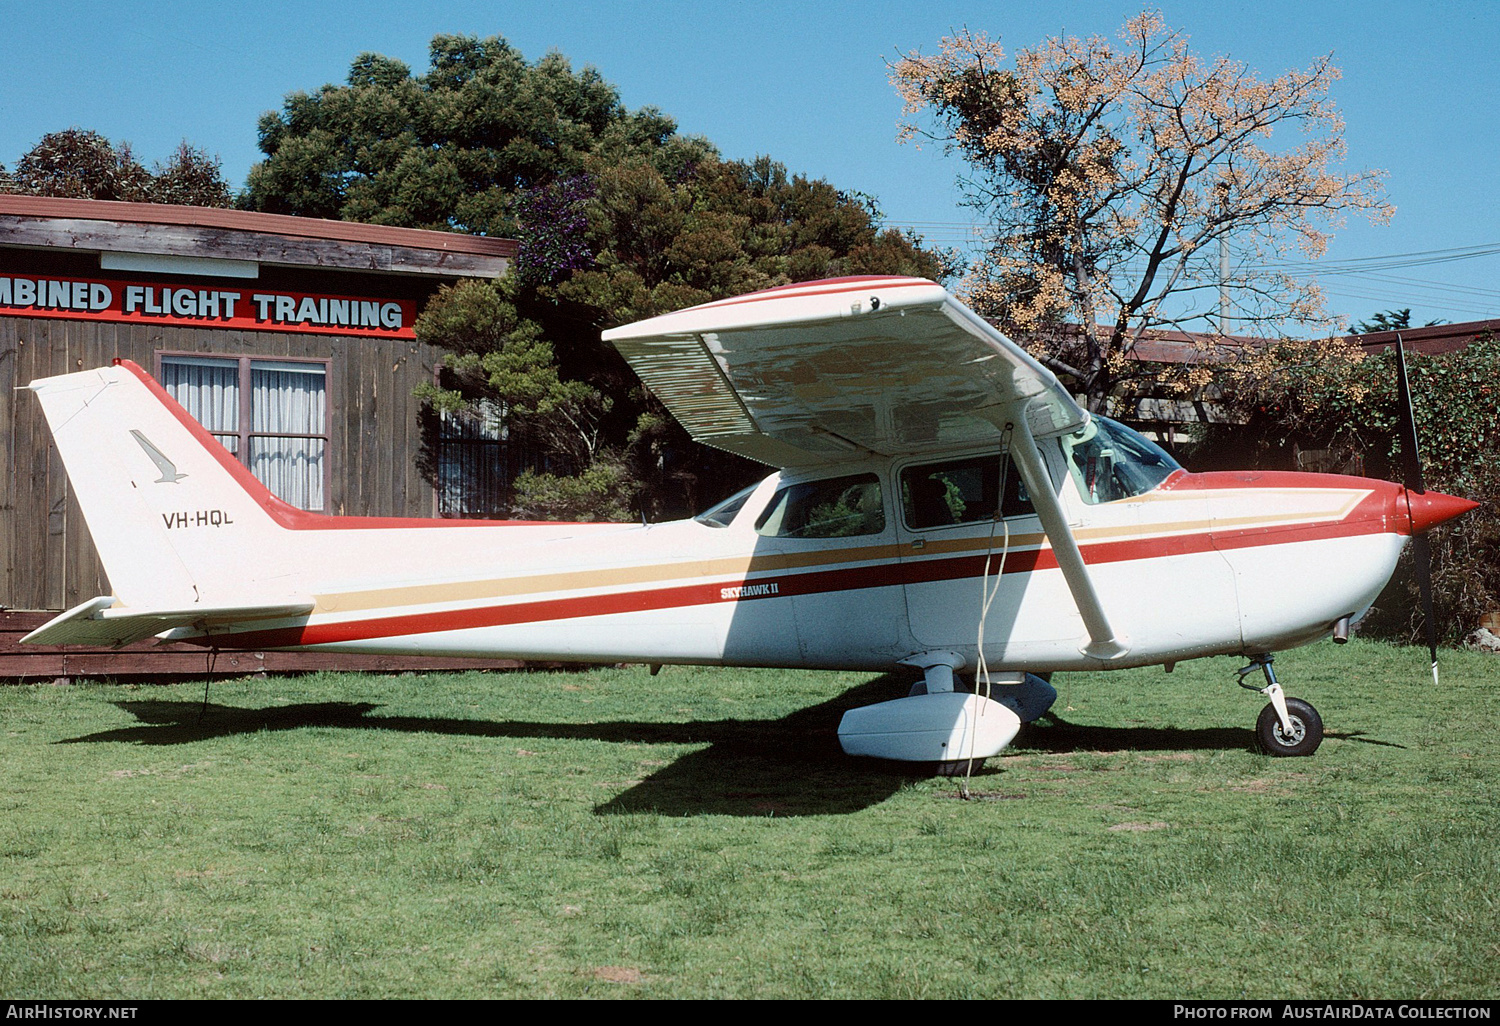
column 807, row 83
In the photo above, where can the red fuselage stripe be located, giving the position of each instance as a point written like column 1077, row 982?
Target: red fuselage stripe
column 879, row 575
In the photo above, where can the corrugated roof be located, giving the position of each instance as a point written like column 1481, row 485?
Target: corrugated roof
column 1438, row 338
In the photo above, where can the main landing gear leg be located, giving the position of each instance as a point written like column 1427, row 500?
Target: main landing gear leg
column 1288, row 726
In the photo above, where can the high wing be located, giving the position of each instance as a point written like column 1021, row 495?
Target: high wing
column 823, row 372
column 827, row 371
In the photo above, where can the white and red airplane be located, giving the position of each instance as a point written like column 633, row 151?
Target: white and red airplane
column 942, row 504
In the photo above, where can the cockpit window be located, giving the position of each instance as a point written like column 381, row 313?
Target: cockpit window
column 723, row 514
column 1109, row 461
column 839, row 507
column 962, row 491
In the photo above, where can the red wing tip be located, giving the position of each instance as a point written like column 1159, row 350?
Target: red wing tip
column 848, row 279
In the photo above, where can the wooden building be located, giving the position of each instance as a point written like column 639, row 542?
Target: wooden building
column 289, row 338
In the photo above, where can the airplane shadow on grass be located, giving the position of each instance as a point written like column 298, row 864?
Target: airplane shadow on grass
column 790, row 766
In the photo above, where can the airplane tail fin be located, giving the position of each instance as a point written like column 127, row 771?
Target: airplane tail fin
column 178, row 522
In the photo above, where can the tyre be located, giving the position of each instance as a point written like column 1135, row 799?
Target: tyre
column 1306, row 734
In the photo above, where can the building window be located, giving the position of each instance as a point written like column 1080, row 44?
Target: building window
column 272, row 414
column 472, row 453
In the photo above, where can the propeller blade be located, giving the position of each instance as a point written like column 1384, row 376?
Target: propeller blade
column 1411, row 459
column 1421, row 554
column 1411, row 475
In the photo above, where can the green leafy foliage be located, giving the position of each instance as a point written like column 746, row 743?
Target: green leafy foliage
column 1385, row 320
column 1329, row 396
column 1388, row 320
column 80, row 164
column 720, row 229
column 190, row 178
column 447, row 150
column 499, row 356
column 618, row 218
column 601, row 491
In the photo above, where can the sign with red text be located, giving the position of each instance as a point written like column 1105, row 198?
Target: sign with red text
column 204, row 306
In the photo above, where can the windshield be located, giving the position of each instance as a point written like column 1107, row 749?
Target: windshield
column 723, row 514
column 1109, row 461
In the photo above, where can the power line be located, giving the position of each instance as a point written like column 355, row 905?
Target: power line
column 1348, row 265
column 1359, row 278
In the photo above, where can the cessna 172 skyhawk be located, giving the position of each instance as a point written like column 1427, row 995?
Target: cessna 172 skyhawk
column 942, row 504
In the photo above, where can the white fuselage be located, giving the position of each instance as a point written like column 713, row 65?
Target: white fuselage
column 866, row 563
column 1202, row 565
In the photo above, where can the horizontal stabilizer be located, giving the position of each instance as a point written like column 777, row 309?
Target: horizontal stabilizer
column 96, row 623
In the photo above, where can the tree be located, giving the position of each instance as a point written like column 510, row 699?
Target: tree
column 191, row 178
column 498, row 362
column 617, row 216
column 1388, row 320
column 716, row 229
column 447, row 150
column 631, row 238
column 83, row 164
column 1111, row 173
column 666, row 234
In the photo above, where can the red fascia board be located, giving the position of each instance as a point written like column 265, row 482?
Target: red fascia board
column 254, row 221
column 1172, row 347
column 1431, row 340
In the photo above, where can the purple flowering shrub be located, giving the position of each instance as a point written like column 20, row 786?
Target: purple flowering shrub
column 552, row 230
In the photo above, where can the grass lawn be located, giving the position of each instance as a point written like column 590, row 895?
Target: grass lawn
column 698, row 834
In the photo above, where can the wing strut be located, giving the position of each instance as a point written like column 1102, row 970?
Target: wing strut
column 1104, row 643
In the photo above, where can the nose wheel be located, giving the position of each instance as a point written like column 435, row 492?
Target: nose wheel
column 1303, row 738
column 1288, row 726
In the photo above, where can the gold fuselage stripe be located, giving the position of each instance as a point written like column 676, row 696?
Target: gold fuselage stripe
column 742, row 565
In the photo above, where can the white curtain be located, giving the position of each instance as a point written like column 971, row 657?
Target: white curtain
column 209, row 390
column 286, row 399
column 289, row 399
